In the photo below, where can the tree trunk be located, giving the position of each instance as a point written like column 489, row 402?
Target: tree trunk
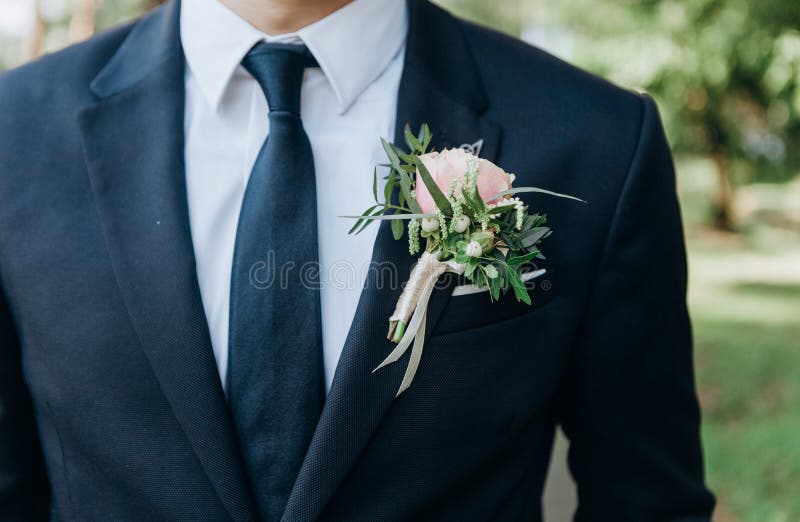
column 724, row 208
column 81, row 24
column 34, row 43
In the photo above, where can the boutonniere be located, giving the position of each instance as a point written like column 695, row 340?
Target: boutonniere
column 473, row 224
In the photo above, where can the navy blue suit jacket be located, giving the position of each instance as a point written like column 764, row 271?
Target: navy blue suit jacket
column 110, row 403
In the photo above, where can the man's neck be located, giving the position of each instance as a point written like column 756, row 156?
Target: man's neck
column 275, row 17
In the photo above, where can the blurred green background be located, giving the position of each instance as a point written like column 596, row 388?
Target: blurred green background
column 726, row 75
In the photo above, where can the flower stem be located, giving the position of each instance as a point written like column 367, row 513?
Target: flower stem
column 404, row 209
column 397, row 330
column 392, row 326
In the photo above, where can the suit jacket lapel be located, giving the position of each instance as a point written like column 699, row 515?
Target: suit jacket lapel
column 439, row 86
column 133, row 141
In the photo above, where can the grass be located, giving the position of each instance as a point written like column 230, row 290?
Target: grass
column 745, row 300
column 748, row 363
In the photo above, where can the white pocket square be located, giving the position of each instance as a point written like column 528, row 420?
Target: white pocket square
column 472, row 289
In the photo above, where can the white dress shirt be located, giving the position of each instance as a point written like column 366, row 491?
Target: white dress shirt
column 347, row 104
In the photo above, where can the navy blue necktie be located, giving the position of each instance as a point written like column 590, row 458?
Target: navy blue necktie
column 275, row 376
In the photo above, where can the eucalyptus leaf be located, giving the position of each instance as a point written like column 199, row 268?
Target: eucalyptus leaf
column 474, row 201
column 502, row 267
column 368, row 219
column 498, row 255
column 412, row 141
column 479, row 279
column 391, row 153
column 425, row 136
column 512, row 241
column 471, row 266
column 390, row 183
column 361, row 218
column 518, row 260
column 520, row 190
column 397, row 229
column 518, row 285
column 529, row 221
column 405, row 186
column 533, row 236
column 494, row 287
column 391, row 216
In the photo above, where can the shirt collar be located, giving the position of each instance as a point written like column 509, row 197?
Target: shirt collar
column 352, row 45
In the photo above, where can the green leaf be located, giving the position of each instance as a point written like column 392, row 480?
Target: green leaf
column 512, row 241
column 491, row 271
column 405, row 186
column 375, row 184
column 391, row 153
column 534, row 189
column 502, row 267
column 518, row 285
column 479, row 279
column 361, row 218
column 530, row 221
column 425, row 136
column 495, row 253
column 397, row 229
column 481, row 237
column 455, row 242
column 390, row 184
column 533, row 236
column 518, row 260
column 408, row 158
column 475, row 202
column 411, row 140
column 472, row 264
column 368, row 219
column 442, row 203
column 494, row 288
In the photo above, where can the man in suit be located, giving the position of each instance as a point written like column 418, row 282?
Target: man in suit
column 145, row 371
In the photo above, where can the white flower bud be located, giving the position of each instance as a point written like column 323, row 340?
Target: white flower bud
column 461, row 224
column 473, row 249
column 430, row 224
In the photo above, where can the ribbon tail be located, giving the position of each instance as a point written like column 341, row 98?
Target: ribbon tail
column 416, row 356
column 411, row 330
column 415, row 331
column 398, row 352
column 419, row 336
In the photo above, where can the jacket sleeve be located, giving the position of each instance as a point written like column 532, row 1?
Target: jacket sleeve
column 24, row 491
column 629, row 404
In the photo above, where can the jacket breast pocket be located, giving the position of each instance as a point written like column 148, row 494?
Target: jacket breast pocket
column 471, row 309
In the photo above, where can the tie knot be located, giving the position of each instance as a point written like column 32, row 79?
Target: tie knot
column 278, row 68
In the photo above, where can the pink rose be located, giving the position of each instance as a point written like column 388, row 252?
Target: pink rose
column 449, row 164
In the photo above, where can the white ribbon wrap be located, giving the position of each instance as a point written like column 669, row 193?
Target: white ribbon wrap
column 414, row 300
